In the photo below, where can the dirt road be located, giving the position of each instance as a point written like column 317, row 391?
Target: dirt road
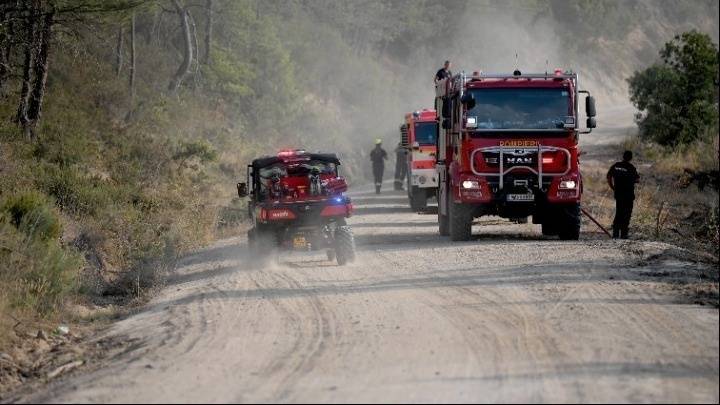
column 509, row 317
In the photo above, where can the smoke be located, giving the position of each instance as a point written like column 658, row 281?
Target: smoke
column 366, row 90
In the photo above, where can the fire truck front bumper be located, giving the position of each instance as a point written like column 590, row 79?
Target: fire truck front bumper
column 424, row 178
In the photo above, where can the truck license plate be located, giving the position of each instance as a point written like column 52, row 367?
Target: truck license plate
column 521, row 197
column 299, row 242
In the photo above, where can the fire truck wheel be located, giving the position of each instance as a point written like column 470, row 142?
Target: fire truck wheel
column 251, row 239
column 570, row 229
column 344, row 245
column 460, row 222
column 444, row 224
column 548, row 229
column 418, row 199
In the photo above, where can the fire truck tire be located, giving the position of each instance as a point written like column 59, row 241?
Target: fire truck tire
column 548, row 229
column 460, row 222
column 251, row 239
column 418, row 199
column 443, row 220
column 443, row 224
column 570, row 229
column 344, row 245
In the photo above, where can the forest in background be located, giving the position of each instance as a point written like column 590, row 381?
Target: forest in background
column 124, row 124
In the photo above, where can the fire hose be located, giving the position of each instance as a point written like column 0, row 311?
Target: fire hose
column 587, row 214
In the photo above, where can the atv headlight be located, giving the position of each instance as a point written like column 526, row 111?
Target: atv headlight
column 568, row 185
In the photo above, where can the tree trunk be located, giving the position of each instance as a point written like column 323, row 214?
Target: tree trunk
column 132, row 58
column 119, row 52
column 28, row 60
column 4, row 39
column 184, row 67
column 208, row 31
column 10, row 38
column 44, row 38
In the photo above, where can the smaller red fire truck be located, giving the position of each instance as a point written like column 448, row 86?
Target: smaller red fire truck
column 418, row 134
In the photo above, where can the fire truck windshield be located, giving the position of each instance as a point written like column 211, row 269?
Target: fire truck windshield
column 425, row 133
column 521, row 108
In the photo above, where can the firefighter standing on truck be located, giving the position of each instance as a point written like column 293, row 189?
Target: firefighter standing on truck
column 622, row 178
column 400, row 166
column 378, row 156
column 444, row 72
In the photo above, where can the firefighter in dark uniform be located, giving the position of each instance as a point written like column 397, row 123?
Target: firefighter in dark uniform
column 444, row 72
column 378, row 156
column 400, row 166
column 622, row 178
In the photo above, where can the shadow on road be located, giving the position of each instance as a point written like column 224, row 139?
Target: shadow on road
column 554, row 275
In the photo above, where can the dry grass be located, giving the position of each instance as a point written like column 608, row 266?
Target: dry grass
column 666, row 207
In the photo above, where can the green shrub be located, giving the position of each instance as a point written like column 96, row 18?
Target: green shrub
column 36, row 275
column 75, row 193
column 678, row 96
column 31, row 213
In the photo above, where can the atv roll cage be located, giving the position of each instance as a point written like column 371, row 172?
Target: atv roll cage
column 262, row 170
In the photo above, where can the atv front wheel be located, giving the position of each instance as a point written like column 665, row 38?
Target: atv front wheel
column 344, row 245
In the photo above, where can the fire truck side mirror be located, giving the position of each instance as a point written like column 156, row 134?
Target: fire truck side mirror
column 590, row 106
column 242, row 190
column 446, row 124
column 468, row 100
column 591, row 122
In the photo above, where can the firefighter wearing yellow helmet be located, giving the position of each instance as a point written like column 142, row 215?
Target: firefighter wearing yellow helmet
column 378, row 156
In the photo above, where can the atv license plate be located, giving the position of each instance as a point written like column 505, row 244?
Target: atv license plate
column 299, row 242
column 521, row 197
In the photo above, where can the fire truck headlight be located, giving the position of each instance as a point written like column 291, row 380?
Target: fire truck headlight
column 471, row 122
column 471, row 184
column 422, row 179
column 568, row 185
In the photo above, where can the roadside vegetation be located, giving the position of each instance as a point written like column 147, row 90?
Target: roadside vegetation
column 676, row 150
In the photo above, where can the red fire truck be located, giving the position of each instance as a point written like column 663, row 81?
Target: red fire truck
column 508, row 146
column 418, row 135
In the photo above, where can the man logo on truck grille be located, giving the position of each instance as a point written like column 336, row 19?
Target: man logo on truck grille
column 519, row 160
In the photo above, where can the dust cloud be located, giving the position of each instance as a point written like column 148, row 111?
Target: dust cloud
column 367, row 93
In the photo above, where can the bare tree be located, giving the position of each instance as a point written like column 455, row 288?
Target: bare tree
column 184, row 67
column 132, row 57
column 4, row 45
column 119, row 51
column 30, row 17
column 208, row 30
column 43, row 39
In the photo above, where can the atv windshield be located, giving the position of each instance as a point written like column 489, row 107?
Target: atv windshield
column 425, row 133
column 521, row 108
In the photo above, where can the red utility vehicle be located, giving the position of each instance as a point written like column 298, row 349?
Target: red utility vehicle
column 297, row 202
column 508, row 146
